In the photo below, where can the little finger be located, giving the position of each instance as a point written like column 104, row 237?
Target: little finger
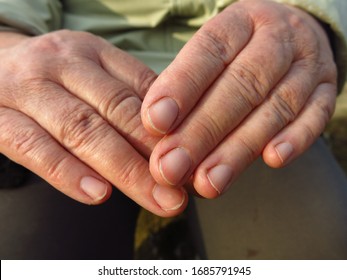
column 299, row 135
column 25, row 142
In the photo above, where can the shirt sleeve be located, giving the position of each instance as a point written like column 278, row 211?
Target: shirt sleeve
column 32, row 17
column 333, row 14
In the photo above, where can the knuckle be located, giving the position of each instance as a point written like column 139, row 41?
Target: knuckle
column 48, row 42
column 121, row 108
column 12, row 135
column 324, row 110
column 25, row 142
column 325, row 106
column 57, row 169
column 81, row 128
column 209, row 130
column 130, row 172
column 250, row 149
column 215, row 45
column 52, row 45
column 218, row 36
column 309, row 134
column 285, row 106
column 130, row 120
column 251, row 89
column 114, row 102
column 55, row 50
column 194, row 88
column 60, row 40
column 43, row 58
column 327, row 110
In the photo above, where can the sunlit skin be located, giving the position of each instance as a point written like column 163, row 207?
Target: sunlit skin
column 251, row 81
column 258, row 79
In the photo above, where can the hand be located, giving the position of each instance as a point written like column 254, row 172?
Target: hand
column 259, row 78
column 70, row 112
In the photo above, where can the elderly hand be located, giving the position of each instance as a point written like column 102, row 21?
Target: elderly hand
column 70, row 112
column 259, row 78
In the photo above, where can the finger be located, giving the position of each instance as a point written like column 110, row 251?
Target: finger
column 29, row 145
column 115, row 101
column 85, row 134
column 199, row 63
column 243, row 145
column 126, row 68
column 298, row 136
column 243, row 85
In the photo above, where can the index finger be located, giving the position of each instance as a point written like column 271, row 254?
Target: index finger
column 176, row 91
column 90, row 138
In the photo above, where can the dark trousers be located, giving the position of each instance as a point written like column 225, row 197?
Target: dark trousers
column 38, row 222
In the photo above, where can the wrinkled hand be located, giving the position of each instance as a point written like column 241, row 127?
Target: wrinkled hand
column 259, row 78
column 70, row 112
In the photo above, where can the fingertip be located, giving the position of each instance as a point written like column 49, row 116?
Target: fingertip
column 174, row 166
column 159, row 117
column 208, row 183
column 278, row 155
column 220, row 177
column 171, row 201
column 97, row 190
column 271, row 158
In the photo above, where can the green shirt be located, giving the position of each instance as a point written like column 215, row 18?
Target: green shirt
column 152, row 30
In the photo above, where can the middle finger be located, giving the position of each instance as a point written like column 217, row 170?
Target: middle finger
column 85, row 134
column 117, row 102
column 240, row 88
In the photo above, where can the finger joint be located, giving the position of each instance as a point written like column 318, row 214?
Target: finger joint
column 81, row 128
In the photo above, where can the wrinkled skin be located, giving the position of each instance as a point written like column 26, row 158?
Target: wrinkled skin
column 70, row 112
column 259, row 78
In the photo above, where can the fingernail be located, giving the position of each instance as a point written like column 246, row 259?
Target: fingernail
column 174, row 165
column 162, row 114
column 168, row 199
column 284, row 151
column 94, row 188
column 220, row 177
